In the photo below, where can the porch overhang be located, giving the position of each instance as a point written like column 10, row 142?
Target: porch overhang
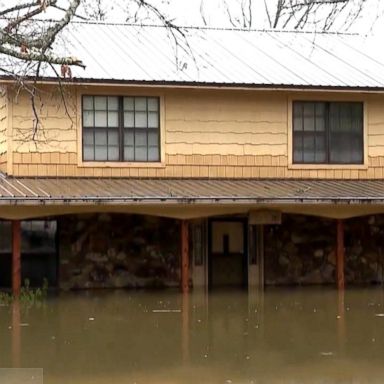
column 187, row 198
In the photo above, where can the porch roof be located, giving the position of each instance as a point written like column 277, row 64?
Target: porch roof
column 39, row 191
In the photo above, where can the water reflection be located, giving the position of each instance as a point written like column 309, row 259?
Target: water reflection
column 276, row 336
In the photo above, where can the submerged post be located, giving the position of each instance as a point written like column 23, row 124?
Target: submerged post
column 184, row 256
column 340, row 255
column 16, row 262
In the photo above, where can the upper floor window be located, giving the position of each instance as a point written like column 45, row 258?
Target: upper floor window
column 327, row 132
column 121, row 128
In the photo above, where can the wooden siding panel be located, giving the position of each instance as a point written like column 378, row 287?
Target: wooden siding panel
column 207, row 134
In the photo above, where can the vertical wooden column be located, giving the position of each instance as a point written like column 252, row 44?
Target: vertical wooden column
column 340, row 255
column 184, row 256
column 16, row 255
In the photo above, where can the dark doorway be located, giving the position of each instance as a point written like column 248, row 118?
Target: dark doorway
column 38, row 253
column 228, row 259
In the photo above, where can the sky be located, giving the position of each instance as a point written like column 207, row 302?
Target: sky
column 216, row 13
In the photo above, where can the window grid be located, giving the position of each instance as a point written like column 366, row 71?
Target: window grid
column 353, row 154
column 149, row 149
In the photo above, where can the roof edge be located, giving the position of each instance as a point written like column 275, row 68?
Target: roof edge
column 202, row 85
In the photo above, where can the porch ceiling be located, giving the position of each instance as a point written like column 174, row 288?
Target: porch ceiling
column 37, row 191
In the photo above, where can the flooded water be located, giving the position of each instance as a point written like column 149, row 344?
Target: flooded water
column 279, row 336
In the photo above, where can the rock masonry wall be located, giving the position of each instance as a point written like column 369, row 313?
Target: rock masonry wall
column 364, row 250
column 118, row 251
column 301, row 250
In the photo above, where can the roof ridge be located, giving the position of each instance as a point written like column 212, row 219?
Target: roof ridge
column 211, row 28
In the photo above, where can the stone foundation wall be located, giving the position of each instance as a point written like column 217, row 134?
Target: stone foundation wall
column 300, row 251
column 364, row 250
column 112, row 250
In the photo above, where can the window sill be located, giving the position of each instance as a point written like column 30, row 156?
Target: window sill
column 328, row 166
column 120, row 164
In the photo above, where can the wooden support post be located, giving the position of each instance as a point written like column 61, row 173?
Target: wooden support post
column 16, row 255
column 184, row 256
column 340, row 254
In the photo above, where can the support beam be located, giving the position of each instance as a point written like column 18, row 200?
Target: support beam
column 340, row 255
column 16, row 257
column 184, row 256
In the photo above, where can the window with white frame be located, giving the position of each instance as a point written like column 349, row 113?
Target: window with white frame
column 328, row 132
column 121, row 128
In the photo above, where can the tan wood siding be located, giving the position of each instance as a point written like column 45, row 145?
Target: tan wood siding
column 57, row 112
column 206, row 134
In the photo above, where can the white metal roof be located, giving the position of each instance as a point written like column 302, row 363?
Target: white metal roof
column 128, row 53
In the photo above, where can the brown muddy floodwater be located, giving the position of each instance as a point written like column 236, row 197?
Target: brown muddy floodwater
column 281, row 336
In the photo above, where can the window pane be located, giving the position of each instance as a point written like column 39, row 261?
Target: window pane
column 345, row 117
column 297, row 109
column 113, row 153
column 357, row 125
column 128, row 138
column 141, row 153
column 88, row 138
column 346, row 148
column 113, row 138
column 339, row 149
column 309, row 116
column 100, row 103
column 320, row 110
column 357, row 117
column 129, row 119
column 153, row 139
column 357, row 150
column 140, row 103
column 297, row 123
column 320, row 151
column 140, row 138
column 298, row 148
column 153, row 120
column 346, row 133
column 88, row 119
column 140, row 128
column 113, row 103
column 88, row 103
column 153, row 104
column 309, row 149
column 153, row 154
column 129, row 154
column 113, row 119
column 344, row 122
column 100, row 119
column 141, row 119
column 334, row 117
column 129, row 104
column 101, row 138
column 320, row 124
column 88, row 153
column 101, row 153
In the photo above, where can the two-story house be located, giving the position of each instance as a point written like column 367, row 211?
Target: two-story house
column 229, row 158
